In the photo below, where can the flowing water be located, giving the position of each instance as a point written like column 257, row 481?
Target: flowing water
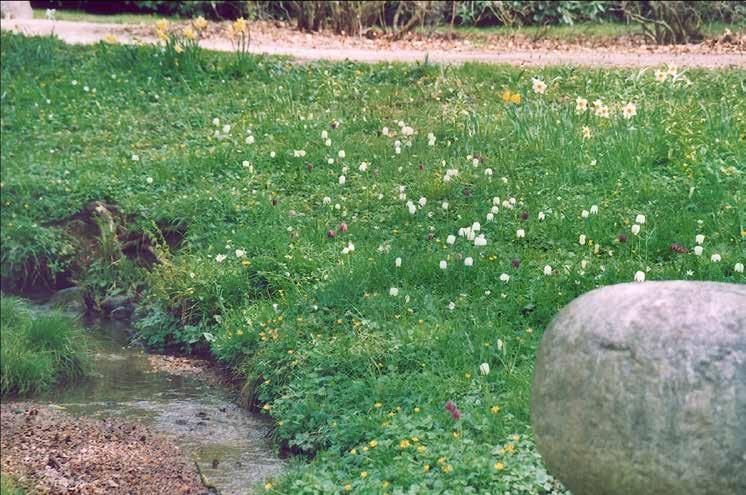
column 229, row 444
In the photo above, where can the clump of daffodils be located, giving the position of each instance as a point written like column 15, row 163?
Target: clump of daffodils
column 240, row 36
column 180, row 40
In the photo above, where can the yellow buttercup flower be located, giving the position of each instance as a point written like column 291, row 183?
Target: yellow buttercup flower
column 506, row 96
column 499, row 466
column 373, row 444
column 495, row 409
column 404, row 444
column 515, row 98
column 161, row 35
column 110, row 39
column 364, row 474
column 178, row 48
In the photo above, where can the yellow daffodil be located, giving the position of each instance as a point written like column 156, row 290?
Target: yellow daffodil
column 189, row 33
column 162, row 24
column 239, row 25
column 200, row 24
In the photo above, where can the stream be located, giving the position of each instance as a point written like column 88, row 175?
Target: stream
column 230, row 445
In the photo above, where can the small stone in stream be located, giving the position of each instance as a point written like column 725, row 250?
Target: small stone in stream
column 143, row 438
column 70, row 299
column 121, row 312
column 181, row 422
column 202, row 414
column 111, row 303
column 215, row 463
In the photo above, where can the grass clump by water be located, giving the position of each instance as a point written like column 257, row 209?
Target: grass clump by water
column 39, row 350
column 9, row 487
column 369, row 243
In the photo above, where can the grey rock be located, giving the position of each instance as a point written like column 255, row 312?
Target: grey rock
column 16, row 10
column 121, row 312
column 111, row 303
column 70, row 299
column 641, row 389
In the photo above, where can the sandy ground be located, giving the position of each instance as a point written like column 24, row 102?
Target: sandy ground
column 277, row 39
column 54, row 453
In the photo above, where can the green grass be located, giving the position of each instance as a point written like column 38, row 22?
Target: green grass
column 81, row 16
column 39, row 350
column 326, row 350
column 9, row 487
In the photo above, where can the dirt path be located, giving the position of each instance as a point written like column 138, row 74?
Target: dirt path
column 55, row 453
column 278, row 40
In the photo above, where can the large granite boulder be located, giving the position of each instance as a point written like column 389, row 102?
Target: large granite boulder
column 641, row 389
column 16, row 10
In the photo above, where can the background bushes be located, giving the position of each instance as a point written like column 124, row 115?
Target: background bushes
column 354, row 17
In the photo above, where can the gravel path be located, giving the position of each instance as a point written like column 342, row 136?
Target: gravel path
column 307, row 48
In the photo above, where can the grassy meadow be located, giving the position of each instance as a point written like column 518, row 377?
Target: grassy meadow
column 377, row 249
